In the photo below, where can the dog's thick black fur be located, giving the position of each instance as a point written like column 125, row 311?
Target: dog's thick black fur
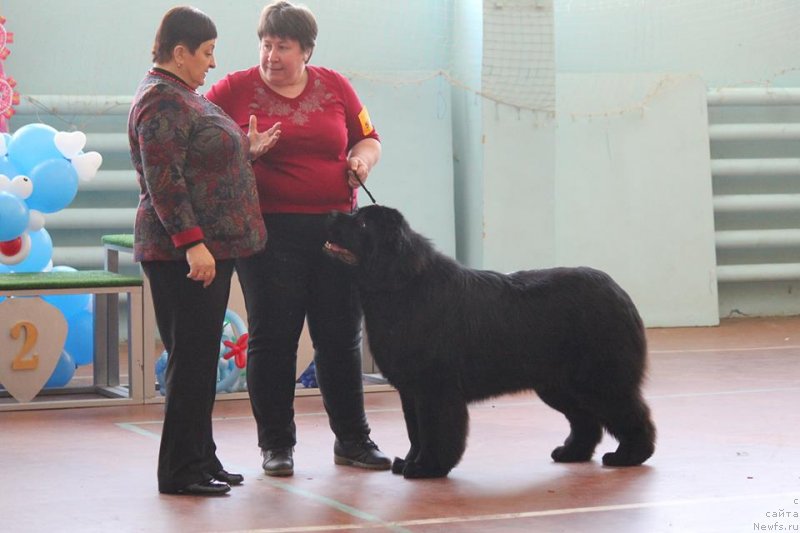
column 444, row 336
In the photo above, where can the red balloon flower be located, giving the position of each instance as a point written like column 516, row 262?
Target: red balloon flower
column 238, row 350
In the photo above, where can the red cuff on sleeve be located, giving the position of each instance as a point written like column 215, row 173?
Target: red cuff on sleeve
column 189, row 236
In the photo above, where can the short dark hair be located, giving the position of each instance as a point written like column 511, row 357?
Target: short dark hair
column 289, row 21
column 184, row 25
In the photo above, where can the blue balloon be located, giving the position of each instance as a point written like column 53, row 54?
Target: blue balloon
column 230, row 378
column 80, row 337
column 14, row 216
column 40, row 254
column 234, row 323
column 69, row 304
column 32, row 144
column 62, row 373
column 55, row 184
column 8, row 169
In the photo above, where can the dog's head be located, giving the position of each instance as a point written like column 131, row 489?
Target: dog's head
column 378, row 241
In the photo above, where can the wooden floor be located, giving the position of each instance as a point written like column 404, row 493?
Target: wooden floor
column 726, row 402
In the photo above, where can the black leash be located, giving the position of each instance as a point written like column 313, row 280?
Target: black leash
column 363, row 186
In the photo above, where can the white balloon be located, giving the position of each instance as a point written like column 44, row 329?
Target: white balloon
column 21, row 187
column 70, row 143
column 87, row 165
column 35, row 220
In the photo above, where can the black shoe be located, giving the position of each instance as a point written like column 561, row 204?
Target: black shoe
column 278, row 462
column 227, row 477
column 362, row 453
column 208, row 487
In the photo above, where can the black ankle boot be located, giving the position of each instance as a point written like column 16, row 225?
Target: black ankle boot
column 362, row 453
column 278, row 462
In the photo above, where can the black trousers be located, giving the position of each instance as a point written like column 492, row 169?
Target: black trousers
column 289, row 282
column 190, row 320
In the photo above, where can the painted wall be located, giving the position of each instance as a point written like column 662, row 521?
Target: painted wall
column 726, row 43
column 633, row 194
column 723, row 44
column 467, row 131
column 519, row 181
column 103, row 46
column 504, row 160
column 517, row 144
column 393, row 53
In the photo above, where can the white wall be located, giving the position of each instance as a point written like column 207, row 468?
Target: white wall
column 510, row 203
column 415, row 173
column 727, row 43
column 722, row 44
column 519, row 202
column 392, row 51
column 467, row 131
column 521, row 195
column 633, row 194
column 103, row 46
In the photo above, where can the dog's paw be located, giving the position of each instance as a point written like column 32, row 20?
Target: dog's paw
column 414, row 470
column 626, row 459
column 563, row 454
column 398, row 465
column 618, row 459
column 631, row 453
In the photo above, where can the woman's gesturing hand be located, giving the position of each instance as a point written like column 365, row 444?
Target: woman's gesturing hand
column 263, row 141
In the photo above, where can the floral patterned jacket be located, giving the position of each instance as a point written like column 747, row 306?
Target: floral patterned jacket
column 195, row 177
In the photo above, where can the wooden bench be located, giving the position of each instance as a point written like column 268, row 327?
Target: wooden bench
column 123, row 243
column 106, row 387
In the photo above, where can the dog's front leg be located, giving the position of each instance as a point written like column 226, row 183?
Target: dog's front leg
column 441, row 431
column 410, row 415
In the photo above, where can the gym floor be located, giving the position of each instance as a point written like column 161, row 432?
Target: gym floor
column 725, row 401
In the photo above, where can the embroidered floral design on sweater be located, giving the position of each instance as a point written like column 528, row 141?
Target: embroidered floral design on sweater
column 310, row 103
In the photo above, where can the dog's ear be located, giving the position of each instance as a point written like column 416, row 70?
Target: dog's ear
column 393, row 230
column 392, row 261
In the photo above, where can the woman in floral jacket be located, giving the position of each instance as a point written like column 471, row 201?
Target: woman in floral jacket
column 198, row 211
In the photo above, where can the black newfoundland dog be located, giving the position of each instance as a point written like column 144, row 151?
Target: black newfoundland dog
column 444, row 336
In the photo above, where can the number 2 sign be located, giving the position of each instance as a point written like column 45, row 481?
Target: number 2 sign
column 32, row 335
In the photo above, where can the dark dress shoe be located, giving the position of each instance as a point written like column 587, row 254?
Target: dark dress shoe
column 278, row 462
column 227, row 477
column 362, row 453
column 208, row 487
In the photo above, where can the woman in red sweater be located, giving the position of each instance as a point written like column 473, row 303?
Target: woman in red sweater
column 326, row 144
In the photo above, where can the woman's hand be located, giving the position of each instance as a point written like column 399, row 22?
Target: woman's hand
column 202, row 266
column 364, row 155
column 357, row 172
column 261, row 142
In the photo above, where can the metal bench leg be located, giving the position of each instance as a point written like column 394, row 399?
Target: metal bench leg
column 149, row 339
column 136, row 346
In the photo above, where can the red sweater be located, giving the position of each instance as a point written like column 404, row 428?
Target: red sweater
column 305, row 172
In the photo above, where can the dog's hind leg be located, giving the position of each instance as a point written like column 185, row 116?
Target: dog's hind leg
column 585, row 428
column 630, row 423
column 442, row 426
